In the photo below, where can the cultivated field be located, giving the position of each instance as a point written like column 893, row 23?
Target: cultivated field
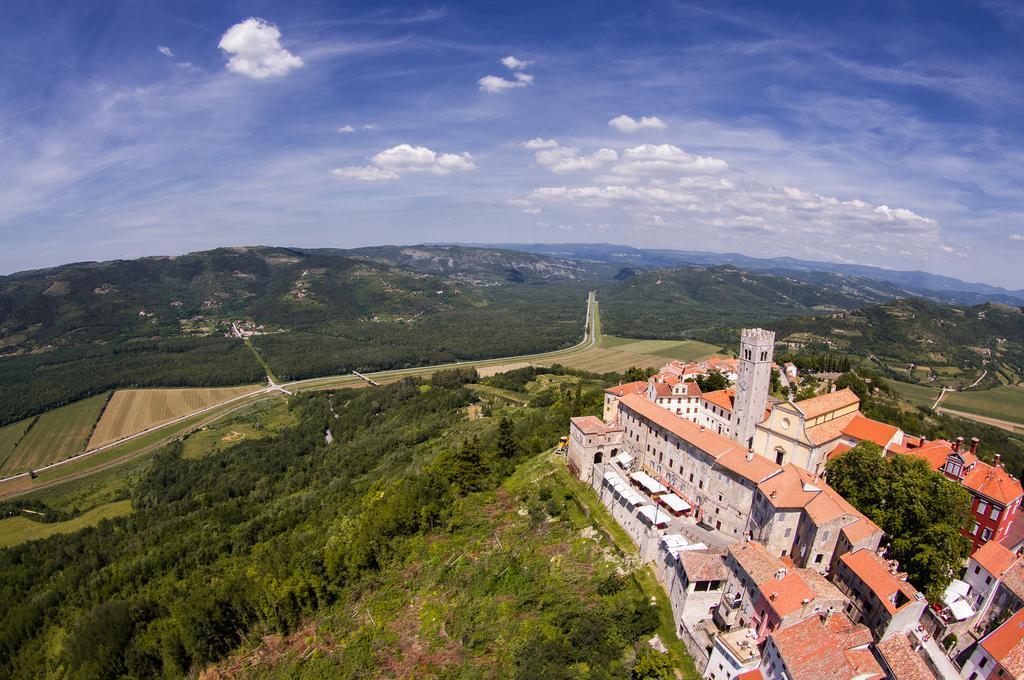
column 10, row 435
column 15, row 530
column 1003, row 403
column 683, row 350
column 918, row 395
column 132, row 411
column 601, row 360
column 55, row 435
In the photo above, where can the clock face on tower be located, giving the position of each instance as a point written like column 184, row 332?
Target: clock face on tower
column 744, row 384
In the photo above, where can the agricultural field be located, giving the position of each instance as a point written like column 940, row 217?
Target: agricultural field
column 683, row 350
column 918, row 395
column 256, row 422
column 133, row 411
column 54, row 435
column 10, row 435
column 601, row 360
column 15, row 530
column 1003, row 403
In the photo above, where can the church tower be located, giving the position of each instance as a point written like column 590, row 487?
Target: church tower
column 754, row 382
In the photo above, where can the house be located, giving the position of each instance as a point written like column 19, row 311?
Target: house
column 984, row 574
column 749, row 565
column 694, row 578
column 613, row 394
column 1000, row 654
column 996, row 495
column 821, row 647
column 880, row 597
column 591, row 443
column 733, row 654
column 799, row 516
column 791, row 596
column 901, row 658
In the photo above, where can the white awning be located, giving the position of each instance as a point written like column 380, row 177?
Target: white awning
column 654, row 515
column 649, row 483
column 695, row 546
column 675, row 503
column 674, row 542
column 956, row 590
column 961, row 610
column 624, row 460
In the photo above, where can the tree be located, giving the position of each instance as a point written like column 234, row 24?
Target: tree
column 506, row 438
column 712, row 381
column 651, row 664
column 856, row 385
column 464, row 467
column 921, row 512
column 635, row 373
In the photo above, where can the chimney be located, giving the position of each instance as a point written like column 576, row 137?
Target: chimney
column 780, row 573
column 974, row 445
column 805, row 601
column 750, row 455
column 958, row 443
column 998, row 460
column 826, row 615
column 773, row 596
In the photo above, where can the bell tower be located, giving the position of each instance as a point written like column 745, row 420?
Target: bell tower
column 754, row 382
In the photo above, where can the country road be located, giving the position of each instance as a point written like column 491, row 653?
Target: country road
column 589, row 340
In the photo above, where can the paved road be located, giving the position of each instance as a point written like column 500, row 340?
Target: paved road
column 589, row 340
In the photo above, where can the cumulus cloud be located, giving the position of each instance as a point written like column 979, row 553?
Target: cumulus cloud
column 515, row 64
column 370, row 126
column 629, row 124
column 346, row 129
column 166, row 51
column 1017, row 237
column 566, row 158
column 254, row 48
column 538, row 143
column 497, row 84
column 391, row 164
column 662, row 159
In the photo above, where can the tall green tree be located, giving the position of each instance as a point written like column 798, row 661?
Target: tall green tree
column 921, row 512
column 506, row 438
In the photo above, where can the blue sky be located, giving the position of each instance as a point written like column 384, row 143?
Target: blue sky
column 887, row 133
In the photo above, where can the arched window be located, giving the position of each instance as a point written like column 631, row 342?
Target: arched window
column 598, row 457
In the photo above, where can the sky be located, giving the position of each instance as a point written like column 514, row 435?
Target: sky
column 884, row 133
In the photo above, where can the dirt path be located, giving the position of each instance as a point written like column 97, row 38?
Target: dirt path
column 1004, row 424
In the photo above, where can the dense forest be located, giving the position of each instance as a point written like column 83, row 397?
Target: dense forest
column 337, row 541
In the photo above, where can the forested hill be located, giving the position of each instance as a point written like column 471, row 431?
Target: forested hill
column 668, row 303
column 418, row 543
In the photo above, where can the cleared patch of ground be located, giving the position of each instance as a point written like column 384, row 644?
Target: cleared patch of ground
column 15, row 530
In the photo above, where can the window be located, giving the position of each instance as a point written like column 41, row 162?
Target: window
column 994, row 514
column 789, row 531
column 983, row 662
column 988, row 580
column 974, row 531
column 986, row 534
column 824, row 536
column 691, row 478
column 977, row 570
column 818, row 558
column 982, row 507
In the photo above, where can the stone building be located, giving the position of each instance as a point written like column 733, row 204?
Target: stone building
column 880, row 598
column 591, row 444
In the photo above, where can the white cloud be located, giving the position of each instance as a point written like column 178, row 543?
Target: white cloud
column 497, row 84
column 391, row 164
column 370, row 126
column 661, row 159
column 538, row 143
column 166, row 51
column 532, row 211
column 628, row 124
column 346, row 129
column 515, row 64
column 254, row 46
column 892, row 215
column 1017, row 237
column 566, row 159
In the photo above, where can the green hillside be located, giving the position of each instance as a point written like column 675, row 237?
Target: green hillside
column 418, row 544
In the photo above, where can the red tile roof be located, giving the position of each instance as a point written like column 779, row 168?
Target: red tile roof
column 1006, row 645
column 863, row 428
column 830, row 429
column 756, row 561
column 993, row 482
column 904, row 663
column 874, row 573
column 721, row 398
column 1014, row 538
column 710, row 442
column 839, row 450
column 816, row 406
column 754, row 674
column 592, row 425
column 662, row 389
column 786, row 595
column 934, row 452
column 757, row 469
column 818, row 650
column 994, row 558
column 703, row 565
column 637, row 387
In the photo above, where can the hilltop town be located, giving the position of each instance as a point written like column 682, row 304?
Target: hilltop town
column 770, row 571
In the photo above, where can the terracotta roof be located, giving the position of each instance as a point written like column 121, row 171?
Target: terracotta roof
column 994, row 558
column 787, row 594
column 1006, row 645
column 904, row 663
column 755, row 560
column 754, row 674
column 935, row 452
column 874, row 572
column 710, row 442
column 839, row 450
column 757, row 469
column 860, row 530
column 662, row 389
column 830, row 429
column 592, row 425
column 1013, row 579
column 689, row 389
column 816, row 406
column 795, row 487
column 721, row 398
column 863, row 428
column 822, row 587
column 993, row 482
column 703, row 565
column 817, row 650
column 1014, row 538
column 637, row 387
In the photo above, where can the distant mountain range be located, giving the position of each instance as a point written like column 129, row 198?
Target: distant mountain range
column 925, row 284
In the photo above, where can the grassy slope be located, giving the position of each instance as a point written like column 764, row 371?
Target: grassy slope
column 685, row 350
column 10, row 435
column 1005, row 403
column 15, row 530
column 56, row 434
column 918, row 395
